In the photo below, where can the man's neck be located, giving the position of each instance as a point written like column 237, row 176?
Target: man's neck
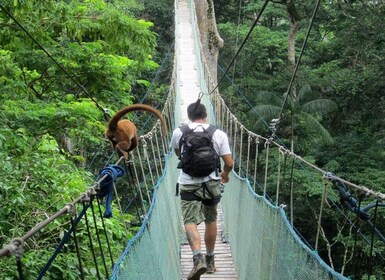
column 200, row 121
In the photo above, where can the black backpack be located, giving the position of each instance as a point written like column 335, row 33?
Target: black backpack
column 198, row 157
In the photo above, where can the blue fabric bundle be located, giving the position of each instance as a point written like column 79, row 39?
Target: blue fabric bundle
column 107, row 186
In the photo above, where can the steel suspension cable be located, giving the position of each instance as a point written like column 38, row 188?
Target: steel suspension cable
column 90, row 240
column 19, row 268
column 372, row 241
column 355, row 239
column 237, row 37
column 98, row 237
column 61, row 244
column 105, row 229
column 77, row 249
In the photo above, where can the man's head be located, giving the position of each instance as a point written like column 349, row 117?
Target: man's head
column 196, row 111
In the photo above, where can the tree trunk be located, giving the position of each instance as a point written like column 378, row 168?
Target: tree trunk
column 294, row 23
column 291, row 43
column 209, row 36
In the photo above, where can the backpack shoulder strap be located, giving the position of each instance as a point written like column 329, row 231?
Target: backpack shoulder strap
column 185, row 130
column 210, row 130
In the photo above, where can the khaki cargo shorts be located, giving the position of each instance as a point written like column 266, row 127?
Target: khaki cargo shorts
column 199, row 202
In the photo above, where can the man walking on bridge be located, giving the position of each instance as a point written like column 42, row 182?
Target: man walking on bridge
column 199, row 147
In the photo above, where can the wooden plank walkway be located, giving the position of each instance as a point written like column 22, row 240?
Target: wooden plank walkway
column 223, row 258
column 188, row 89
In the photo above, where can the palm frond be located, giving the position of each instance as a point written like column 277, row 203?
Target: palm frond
column 264, row 113
column 266, row 97
column 306, row 94
column 311, row 122
column 321, row 106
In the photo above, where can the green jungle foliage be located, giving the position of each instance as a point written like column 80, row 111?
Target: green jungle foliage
column 334, row 114
column 96, row 55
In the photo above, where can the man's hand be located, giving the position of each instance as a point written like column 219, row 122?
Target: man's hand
column 224, row 178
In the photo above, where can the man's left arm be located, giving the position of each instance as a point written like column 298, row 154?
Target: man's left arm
column 174, row 143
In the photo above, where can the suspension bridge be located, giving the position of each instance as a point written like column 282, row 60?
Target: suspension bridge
column 256, row 240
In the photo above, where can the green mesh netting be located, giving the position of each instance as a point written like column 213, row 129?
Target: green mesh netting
column 154, row 252
column 263, row 244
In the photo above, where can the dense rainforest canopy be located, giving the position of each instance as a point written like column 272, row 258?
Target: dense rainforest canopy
column 115, row 53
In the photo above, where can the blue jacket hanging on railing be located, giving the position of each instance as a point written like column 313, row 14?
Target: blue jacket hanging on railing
column 107, row 186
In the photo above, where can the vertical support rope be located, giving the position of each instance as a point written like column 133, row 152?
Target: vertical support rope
column 284, row 169
column 143, row 174
column 138, row 184
column 324, row 193
column 218, row 114
column 213, row 100
column 146, row 156
column 231, row 134
column 120, row 209
column 159, row 153
column 154, row 157
column 164, row 140
column 234, row 122
column 228, row 128
column 267, row 145
column 131, row 180
column 292, row 194
column 169, row 121
column 223, row 115
column 217, row 109
column 256, row 163
column 240, row 151
column 280, row 153
column 248, row 155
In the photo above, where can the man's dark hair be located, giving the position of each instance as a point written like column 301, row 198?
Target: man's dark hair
column 196, row 111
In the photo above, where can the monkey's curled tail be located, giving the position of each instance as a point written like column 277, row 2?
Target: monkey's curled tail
column 113, row 123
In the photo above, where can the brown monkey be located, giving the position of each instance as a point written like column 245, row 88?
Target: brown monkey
column 123, row 134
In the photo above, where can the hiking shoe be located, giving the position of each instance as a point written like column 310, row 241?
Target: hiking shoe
column 210, row 264
column 199, row 267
